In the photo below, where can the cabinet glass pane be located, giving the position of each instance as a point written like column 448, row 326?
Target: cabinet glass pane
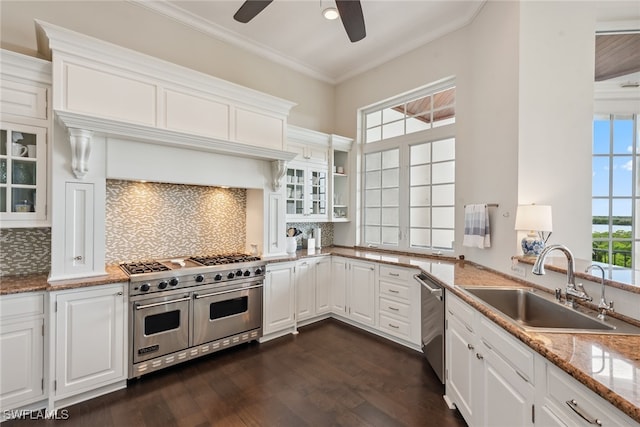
column 3, row 171
column 24, row 173
column 3, row 142
column 23, row 199
column 3, row 199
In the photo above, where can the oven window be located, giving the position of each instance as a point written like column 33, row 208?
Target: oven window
column 228, row 307
column 161, row 322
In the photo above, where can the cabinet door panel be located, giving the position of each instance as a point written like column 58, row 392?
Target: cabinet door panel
column 21, row 362
column 338, row 285
column 79, row 228
column 362, row 295
column 459, row 367
column 89, row 339
column 323, row 280
column 279, row 299
column 305, row 290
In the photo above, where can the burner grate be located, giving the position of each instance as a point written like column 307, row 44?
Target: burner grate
column 144, row 267
column 224, row 259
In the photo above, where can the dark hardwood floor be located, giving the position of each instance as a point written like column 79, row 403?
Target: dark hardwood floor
column 329, row 374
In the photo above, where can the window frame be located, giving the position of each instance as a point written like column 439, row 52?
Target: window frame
column 403, row 143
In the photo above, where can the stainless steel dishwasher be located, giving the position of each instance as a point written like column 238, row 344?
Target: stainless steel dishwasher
column 432, row 330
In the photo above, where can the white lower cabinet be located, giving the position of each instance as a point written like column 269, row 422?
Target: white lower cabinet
column 88, row 339
column 21, row 350
column 279, row 298
column 399, row 304
column 353, row 290
column 563, row 401
column 312, row 277
column 489, row 374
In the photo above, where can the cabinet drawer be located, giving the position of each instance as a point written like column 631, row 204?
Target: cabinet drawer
column 394, row 326
column 21, row 305
column 561, row 388
column 23, row 100
column 507, row 347
column 395, row 290
column 462, row 311
column 401, row 274
column 395, row 308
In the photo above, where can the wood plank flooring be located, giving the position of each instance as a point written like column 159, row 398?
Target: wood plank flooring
column 329, row 374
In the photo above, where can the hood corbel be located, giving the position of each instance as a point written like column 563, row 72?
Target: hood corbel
column 80, row 140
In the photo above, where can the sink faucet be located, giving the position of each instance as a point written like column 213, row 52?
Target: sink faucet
column 573, row 291
column 603, row 306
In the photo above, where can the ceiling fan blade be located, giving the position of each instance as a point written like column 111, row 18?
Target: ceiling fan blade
column 352, row 19
column 249, row 10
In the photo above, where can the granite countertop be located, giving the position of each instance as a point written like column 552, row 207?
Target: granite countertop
column 617, row 380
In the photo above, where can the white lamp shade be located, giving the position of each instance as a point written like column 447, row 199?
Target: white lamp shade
column 533, row 218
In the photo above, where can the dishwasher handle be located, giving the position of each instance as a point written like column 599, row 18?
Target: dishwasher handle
column 434, row 290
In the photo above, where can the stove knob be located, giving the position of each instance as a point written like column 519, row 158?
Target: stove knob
column 145, row 287
column 258, row 271
column 199, row 278
column 231, row 275
column 162, row 285
column 217, row 277
column 247, row 273
column 174, row 281
column 239, row 273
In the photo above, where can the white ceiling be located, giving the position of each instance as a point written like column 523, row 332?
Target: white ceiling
column 294, row 33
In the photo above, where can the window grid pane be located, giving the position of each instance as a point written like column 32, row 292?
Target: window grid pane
column 382, row 211
column 615, row 201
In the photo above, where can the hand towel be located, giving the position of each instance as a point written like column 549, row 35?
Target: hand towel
column 477, row 233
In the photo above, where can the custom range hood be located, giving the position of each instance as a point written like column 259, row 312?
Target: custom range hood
column 107, row 91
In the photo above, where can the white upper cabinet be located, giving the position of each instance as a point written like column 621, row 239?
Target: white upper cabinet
column 25, row 84
column 109, row 89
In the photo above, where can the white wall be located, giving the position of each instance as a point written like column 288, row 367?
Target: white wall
column 134, row 27
column 557, row 53
column 483, row 58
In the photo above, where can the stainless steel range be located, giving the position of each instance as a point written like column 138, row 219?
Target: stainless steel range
column 181, row 309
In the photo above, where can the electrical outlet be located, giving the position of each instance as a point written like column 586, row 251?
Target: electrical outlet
column 519, row 270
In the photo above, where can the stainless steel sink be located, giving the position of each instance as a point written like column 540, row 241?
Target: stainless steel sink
column 538, row 311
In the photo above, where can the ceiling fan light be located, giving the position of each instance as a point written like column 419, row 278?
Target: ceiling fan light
column 330, row 13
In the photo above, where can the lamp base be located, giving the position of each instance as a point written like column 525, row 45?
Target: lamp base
column 532, row 245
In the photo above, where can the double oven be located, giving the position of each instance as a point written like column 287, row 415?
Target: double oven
column 185, row 308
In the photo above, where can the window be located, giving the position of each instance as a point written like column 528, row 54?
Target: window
column 615, row 199
column 409, row 171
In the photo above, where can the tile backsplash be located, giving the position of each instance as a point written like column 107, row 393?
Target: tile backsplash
column 25, row 250
column 326, row 231
column 155, row 220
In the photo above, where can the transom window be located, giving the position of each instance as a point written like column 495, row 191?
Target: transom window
column 409, row 171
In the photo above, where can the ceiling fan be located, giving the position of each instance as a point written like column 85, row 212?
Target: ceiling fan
column 350, row 14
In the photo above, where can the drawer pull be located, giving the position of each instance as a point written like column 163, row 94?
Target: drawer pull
column 479, row 356
column 470, row 346
column 393, row 308
column 394, row 326
column 393, row 291
column 77, row 258
column 574, row 406
column 522, row 376
column 394, row 274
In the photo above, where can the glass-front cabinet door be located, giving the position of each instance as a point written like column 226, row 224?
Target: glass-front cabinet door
column 22, row 173
column 306, row 193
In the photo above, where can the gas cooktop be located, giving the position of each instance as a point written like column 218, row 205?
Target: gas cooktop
column 142, row 267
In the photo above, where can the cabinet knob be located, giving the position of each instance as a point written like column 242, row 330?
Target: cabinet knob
column 120, row 294
column 77, row 258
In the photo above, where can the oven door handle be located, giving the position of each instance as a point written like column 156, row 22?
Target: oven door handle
column 157, row 304
column 198, row 296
